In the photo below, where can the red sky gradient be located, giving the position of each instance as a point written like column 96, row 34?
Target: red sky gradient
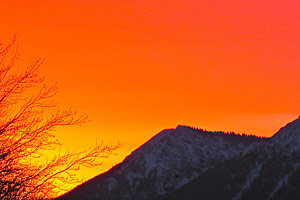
column 140, row 66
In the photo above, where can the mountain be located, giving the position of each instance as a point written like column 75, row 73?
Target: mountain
column 189, row 163
column 270, row 171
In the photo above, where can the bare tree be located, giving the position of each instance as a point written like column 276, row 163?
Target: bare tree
column 27, row 125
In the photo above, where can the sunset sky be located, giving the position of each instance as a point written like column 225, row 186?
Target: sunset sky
column 137, row 67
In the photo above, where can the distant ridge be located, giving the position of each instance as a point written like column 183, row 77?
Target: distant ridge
column 191, row 163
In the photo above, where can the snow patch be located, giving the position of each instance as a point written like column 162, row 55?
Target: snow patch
column 253, row 174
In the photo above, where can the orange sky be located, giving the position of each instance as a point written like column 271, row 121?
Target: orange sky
column 137, row 67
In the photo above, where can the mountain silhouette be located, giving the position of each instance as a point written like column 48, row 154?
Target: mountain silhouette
column 190, row 163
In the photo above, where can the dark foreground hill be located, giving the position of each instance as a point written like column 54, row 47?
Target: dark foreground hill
column 187, row 163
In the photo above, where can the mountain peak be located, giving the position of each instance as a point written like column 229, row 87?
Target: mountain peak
column 170, row 159
column 182, row 128
column 288, row 136
column 291, row 128
column 179, row 126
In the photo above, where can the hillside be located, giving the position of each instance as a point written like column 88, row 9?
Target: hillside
column 189, row 163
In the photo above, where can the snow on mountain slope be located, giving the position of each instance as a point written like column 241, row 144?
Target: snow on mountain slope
column 169, row 154
column 167, row 161
column 268, row 169
column 288, row 137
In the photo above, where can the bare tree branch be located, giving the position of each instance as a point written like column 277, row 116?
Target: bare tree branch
column 27, row 130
